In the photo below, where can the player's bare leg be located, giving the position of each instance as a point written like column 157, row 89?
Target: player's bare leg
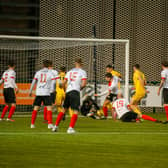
column 34, row 115
column 58, row 120
column 105, row 108
column 11, row 112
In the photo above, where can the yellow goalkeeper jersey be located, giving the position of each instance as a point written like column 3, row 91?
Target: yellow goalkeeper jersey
column 115, row 73
column 59, row 83
column 139, row 86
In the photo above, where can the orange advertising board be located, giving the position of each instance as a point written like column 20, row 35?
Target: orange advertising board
column 22, row 98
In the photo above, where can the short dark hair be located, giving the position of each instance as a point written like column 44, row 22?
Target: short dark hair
column 46, row 63
column 63, row 68
column 108, row 75
column 11, row 63
column 137, row 66
column 109, row 66
column 50, row 63
column 165, row 63
column 78, row 60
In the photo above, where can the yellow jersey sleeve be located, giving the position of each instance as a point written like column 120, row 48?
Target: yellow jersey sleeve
column 115, row 73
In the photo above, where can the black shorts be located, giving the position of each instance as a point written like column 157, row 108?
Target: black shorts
column 72, row 99
column 53, row 97
column 165, row 95
column 112, row 97
column 129, row 117
column 46, row 100
column 9, row 95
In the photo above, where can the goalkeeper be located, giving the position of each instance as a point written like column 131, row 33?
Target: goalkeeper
column 90, row 108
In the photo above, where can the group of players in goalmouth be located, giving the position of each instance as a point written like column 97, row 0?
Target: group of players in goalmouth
column 66, row 87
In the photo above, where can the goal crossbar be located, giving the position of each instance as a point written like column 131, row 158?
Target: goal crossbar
column 94, row 40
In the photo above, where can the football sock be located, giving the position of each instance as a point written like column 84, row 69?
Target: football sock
column 146, row 117
column 136, row 109
column 11, row 111
column 34, row 115
column 59, row 118
column 45, row 113
column 5, row 109
column 105, row 110
column 49, row 117
column 73, row 120
column 166, row 110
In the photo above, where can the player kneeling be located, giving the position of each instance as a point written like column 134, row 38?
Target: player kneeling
column 122, row 110
column 90, row 108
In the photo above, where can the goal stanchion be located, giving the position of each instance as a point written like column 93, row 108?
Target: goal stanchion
column 29, row 52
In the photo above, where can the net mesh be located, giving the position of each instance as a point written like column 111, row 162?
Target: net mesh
column 143, row 22
column 29, row 55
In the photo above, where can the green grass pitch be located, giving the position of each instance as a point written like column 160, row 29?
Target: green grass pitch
column 97, row 143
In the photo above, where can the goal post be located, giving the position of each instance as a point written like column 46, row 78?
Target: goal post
column 29, row 51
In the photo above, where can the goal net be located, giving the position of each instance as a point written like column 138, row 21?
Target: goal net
column 29, row 52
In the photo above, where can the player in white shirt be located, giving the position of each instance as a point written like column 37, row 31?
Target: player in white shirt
column 45, row 84
column 10, row 87
column 122, row 110
column 164, row 84
column 75, row 80
column 111, row 92
column 52, row 92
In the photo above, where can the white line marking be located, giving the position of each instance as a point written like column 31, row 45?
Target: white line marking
column 84, row 133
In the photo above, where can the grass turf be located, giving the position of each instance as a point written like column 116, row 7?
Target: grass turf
column 98, row 143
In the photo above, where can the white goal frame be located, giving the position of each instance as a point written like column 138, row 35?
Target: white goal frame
column 112, row 41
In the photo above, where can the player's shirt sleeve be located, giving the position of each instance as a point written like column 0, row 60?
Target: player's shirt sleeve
column 163, row 75
column 84, row 76
column 67, row 76
column 36, row 76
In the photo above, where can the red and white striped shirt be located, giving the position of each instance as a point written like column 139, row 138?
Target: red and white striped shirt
column 8, row 78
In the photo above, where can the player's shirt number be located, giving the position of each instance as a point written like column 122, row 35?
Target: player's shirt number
column 43, row 78
column 120, row 104
column 73, row 76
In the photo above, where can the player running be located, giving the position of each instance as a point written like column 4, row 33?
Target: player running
column 10, row 87
column 164, row 84
column 139, row 84
column 111, row 92
column 75, row 80
column 123, row 111
column 45, row 83
column 52, row 92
